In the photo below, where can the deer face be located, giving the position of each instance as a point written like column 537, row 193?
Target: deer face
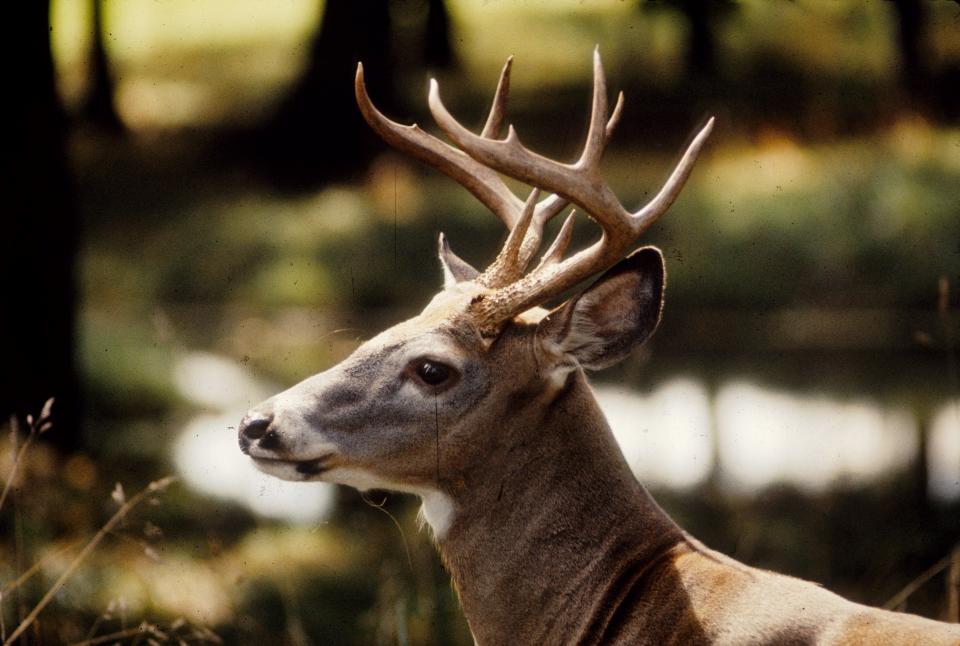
column 376, row 419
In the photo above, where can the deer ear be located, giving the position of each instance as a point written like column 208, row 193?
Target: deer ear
column 455, row 269
column 604, row 323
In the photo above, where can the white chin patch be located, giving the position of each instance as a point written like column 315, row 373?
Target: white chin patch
column 359, row 479
column 293, row 471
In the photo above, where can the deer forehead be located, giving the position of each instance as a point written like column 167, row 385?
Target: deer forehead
column 446, row 316
column 405, row 342
column 448, row 311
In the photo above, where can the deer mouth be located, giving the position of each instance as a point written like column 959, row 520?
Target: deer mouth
column 307, row 468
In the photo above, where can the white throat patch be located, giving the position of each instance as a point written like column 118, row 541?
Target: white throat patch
column 437, row 511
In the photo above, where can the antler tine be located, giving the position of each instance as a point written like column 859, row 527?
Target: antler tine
column 551, row 205
column 509, row 264
column 674, row 184
column 554, row 253
column 598, row 136
column 601, row 128
column 615, row 117
column 554, row 204
column 498, row 109
column 597, row 133
column 485, row 184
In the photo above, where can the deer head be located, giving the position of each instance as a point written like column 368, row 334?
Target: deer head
column 418, row 407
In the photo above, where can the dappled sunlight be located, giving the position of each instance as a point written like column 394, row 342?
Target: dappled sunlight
column 767, row 437
column 212, row 590
column 280, row 551
column 302, row 333
column 666, row 435
column 775, row 166
column 912, row 138
column 291, row 224
column 394, row 188
column 140, row 26
column 943, row 453
column 291, row 278
column 916, row 142
column 206, row 453
column 845, row 41
column 183, row 63
column 162, row 102
column 530, row 32
column 205, row 599
column 182, row 586
column 144, row 103
column 335, row 212
column 70, row 41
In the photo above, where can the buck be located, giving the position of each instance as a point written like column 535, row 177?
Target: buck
column 480, row 406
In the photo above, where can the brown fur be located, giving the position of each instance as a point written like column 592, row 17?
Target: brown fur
column 574, row 551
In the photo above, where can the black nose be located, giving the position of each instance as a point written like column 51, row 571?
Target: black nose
column 254, row 425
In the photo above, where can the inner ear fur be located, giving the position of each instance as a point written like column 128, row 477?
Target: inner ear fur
column 455, row 269
column 603, row 324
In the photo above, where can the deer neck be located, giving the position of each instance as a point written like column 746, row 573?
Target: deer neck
column 542, row 530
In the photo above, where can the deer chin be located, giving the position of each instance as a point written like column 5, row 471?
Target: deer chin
column 438, row 509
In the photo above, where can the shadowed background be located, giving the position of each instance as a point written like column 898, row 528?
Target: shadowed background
column 200, row 218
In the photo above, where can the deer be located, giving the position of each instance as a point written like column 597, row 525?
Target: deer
column 480, row 406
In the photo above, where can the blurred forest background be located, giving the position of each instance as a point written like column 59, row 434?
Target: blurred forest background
column 200, row 218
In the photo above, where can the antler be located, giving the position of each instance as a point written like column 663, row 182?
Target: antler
column 484, row 182
column 477, row 164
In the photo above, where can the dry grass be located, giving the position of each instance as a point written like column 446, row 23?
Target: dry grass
column 176, row 632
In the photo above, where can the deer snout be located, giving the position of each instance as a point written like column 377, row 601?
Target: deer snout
column 254, row 425
column 257, row 427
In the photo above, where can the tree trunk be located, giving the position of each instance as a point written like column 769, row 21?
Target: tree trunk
column 910, row 18
column 100, row 109
column 701, row 17
column 701, row 54
column 37, row 294
column 318, row 132
column 437, row 50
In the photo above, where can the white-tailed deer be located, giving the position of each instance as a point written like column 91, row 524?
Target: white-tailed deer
column 480, row 406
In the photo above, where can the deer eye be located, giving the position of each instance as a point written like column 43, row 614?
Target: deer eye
column 433, row 373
